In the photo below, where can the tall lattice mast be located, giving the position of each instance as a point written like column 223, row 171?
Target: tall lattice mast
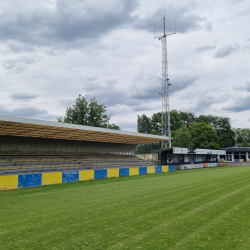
column 166, row 129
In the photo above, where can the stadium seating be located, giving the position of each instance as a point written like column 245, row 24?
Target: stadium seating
column 35, row 164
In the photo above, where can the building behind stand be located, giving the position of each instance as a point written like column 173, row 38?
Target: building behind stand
column 185, row 158
column 237, row 154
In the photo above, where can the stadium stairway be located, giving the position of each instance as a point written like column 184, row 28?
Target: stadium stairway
column 37, row 164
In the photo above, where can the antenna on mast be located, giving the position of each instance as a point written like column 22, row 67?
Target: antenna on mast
column 166, row 129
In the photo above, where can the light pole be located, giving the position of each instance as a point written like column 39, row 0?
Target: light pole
column 165, row 82
column 161, row 113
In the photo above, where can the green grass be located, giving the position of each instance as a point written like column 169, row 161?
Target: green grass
column 193, row 209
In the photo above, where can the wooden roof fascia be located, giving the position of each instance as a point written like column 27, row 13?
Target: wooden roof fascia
column 42, row 131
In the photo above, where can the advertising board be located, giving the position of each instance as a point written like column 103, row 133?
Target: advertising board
column 210, row 151
column 192, row 166
column 198, row 151
column 180, row 150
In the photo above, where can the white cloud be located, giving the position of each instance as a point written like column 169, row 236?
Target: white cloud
column 226, row 51
column 204, row 48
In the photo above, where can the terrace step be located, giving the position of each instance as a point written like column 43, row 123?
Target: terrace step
column 34, row 164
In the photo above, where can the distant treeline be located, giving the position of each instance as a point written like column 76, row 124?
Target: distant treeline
column 189, row 130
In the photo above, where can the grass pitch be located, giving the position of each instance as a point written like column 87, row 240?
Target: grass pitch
column 193, row 209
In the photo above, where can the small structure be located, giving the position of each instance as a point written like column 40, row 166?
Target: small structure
column 237, row 154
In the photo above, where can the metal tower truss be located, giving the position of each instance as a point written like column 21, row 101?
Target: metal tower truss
column 166, row 129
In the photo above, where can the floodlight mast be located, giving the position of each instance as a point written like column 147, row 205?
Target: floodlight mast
column 166, row 129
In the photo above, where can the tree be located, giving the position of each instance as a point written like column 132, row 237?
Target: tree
column 113, row 126
column 225, row 132
column 238, row 135
column 185, row 117
column 175, row 120
column 144, row 124
column 245, row 144
column 182, row 138
column 222, row 126
column 156, row 123
column 209, row 119
column 154, row 132
column 179, row 119
column 87, row 113
column 242, row 134
column 204, row 136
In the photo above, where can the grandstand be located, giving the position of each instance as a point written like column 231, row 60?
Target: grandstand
column 31, row 146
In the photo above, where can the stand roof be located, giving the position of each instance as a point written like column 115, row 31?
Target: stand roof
column 26, row 127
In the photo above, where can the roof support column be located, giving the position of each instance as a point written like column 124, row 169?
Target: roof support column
column 25, row 144
column 51, row 147
column 73, row 148
column 62, row 146
column 9, row 144
column 18, row 144
column 1, row 144
column 38, row 145
column 32, row 144
column 82, row 148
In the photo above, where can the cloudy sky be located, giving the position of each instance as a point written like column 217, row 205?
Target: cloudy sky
column 52, row 51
